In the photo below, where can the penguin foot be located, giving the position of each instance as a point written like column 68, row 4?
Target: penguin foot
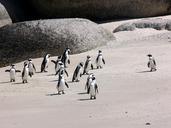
column 77, row 81
column 63, row 92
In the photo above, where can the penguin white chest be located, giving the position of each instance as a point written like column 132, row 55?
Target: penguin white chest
column 92, row 90
column 26, row 72
column 89, row 66
column 61, row 85
column 99, row 61
column 12, row 74
column 31, row 67
column 47, row 62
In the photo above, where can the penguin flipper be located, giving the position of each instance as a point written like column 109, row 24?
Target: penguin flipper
column 68, row 61
column 66, row 73
column 22, row 73
column 66, row 85
column 154, row 62
column 17, row 71
column 74, row 75
column 97, row 59
column 57, row 72
column 34, row 67
column 53, row 61
column 103, row 61
column 148, row 64
column 7, row 70
column 96, row 88
column 92, row 66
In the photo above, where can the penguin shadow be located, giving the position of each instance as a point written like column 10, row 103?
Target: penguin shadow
column 19, row 83
column 5, row 82
column 50, row 75
column 82, row 93
column 86, row 99
column 146, row 71
column 70, row 81
column 54, row 81
column 53, row 94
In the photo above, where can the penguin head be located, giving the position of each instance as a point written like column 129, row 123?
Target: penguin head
column 91, row 75
column 68, row 50
column 29, row 59
column 59, row 57
column 149, row 55
column 100, row 51
column 12, row 65
column 47, row 56
column 93, row 78
column 25, row 64
column 88, row 57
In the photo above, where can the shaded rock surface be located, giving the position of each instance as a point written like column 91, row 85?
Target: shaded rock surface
column 35, row 38
column 4, row 17
column 22, row 10
column 158, row 24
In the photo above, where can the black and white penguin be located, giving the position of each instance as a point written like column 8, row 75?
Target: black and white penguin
column 31, row 67
column 151, row 63
column 25, row 72
column 65, row 57
column 12, row 73
column 88, row 82
column 78, row 72
column 57, row 63
column 100, row 60
column 88, row 65
column 93, row 88
column 61, row 84
column 45, row 63
column 61, row 70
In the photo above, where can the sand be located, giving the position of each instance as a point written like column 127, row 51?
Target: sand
column 129, row 96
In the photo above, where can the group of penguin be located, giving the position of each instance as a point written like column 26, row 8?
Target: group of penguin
column 60, row 70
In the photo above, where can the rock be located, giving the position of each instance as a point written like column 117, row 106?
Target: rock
column 22, row 10
column 158, row 24
column 4, row 17
column 33, row 39
column 125, row 27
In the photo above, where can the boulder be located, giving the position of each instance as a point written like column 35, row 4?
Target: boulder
column 22, row 10
column 157, row 23
column 4, row 17
column 20, row 41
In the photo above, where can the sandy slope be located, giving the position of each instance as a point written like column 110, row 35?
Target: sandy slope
column 129, row 96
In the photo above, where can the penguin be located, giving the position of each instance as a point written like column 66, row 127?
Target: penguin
column 25, row 72
column 65, row 57
column 151, row 63
column 100, row 60
column 78, row 72
column 93, row 88
column 61, row 70
column 31, row 67
column 12, row 73
column 45, row 63
column 57, row 63
column 61, row 84
column 88, row 65
column 89, row 80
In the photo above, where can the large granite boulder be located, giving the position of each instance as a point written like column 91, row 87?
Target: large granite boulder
column 4, row 17
column 155, row 23
column 35, row 38
column 22, row 10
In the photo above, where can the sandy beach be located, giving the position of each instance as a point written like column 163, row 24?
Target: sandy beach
column 129, row 95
